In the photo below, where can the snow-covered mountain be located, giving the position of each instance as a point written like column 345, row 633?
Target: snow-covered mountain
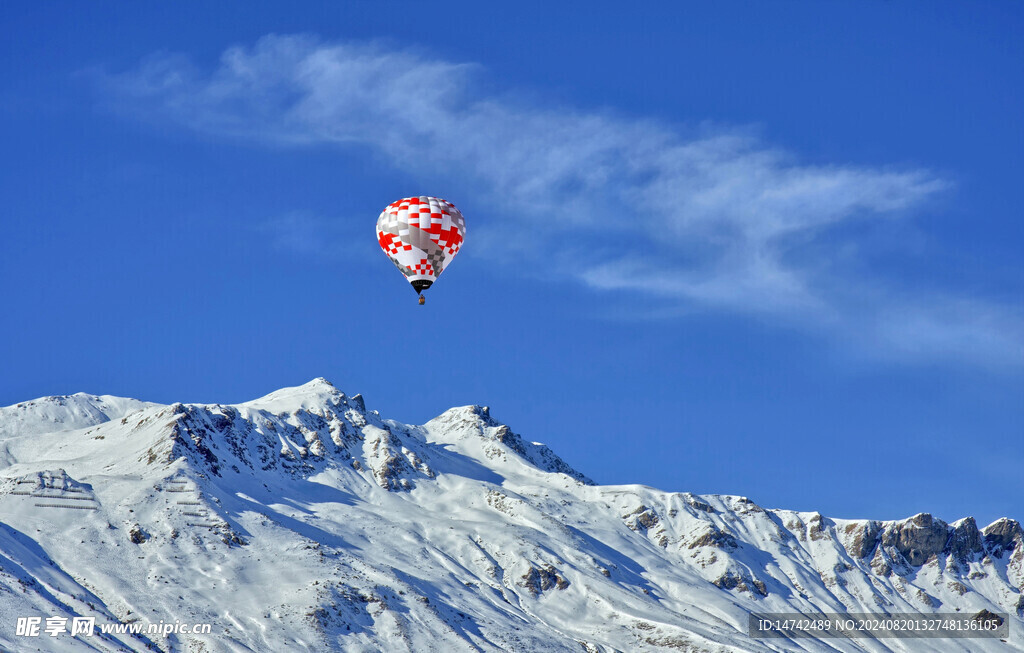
column 303, row 521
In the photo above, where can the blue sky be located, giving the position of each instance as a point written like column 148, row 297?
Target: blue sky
column 769, row 249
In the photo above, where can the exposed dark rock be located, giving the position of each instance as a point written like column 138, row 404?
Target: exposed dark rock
column 965, row 540
column 817, row 527
column 191, row 438
column 863, row 538
column 643, row 518
column 231, row 538
column 137, row 535
column 539, row 455
column 731, row 580
column 798, row 528
column 880, row 563
column 727, row 581
column 387, row 462
column 745, row 506
column 647, row 519
column 761, row 588
column 918, row 538
column 716, row 538
column 222, row 422
column 928, row 599
column 1002, row 535
column 504, row 435
column 538, row 580
column 958, row 587
column 700, row 505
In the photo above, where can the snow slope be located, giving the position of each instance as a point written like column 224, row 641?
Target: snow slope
column 303, row 521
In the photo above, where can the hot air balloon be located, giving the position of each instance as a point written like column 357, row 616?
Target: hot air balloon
column 421, row 236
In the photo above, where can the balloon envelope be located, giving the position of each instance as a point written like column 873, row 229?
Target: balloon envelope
column 421, row 236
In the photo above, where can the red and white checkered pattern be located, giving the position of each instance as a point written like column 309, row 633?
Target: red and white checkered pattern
column 421, row 235
column 423, row 268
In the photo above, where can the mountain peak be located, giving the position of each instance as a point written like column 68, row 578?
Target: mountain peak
column 476, row 432
column 313, row 393
column 318, row 382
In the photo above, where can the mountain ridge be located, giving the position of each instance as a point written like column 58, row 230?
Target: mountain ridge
column 457, row 534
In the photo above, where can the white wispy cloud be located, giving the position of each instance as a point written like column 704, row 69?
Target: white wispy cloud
column 711, row 217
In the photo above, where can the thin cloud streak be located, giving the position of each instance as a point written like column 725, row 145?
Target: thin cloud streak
column 710, row 218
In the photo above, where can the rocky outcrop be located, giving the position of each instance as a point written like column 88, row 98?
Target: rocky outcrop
column 541, row 579
column 697, row 504
column 818, row 527
column 965, row 540
column 901, row 546
column 643, row 518
column 191, row 439
column 921, row 537
column 1003, row 535
column 714, row 537
column 504, row 435
column 731, row 580
column 391, row 463
column 918, row 538
column 537, row 454
column 501, row 441
column 137, row 535
column 862, row 538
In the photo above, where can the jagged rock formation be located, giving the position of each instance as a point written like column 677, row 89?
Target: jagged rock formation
column 303, row 521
